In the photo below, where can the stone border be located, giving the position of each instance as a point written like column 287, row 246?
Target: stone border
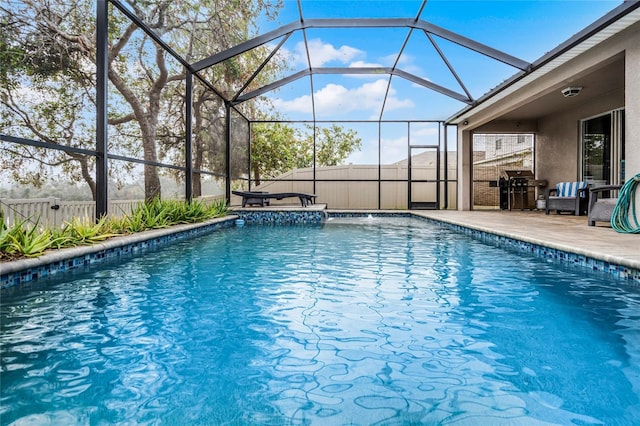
column 26, row 270
column 56, row 261
column 559, row 256
column 275, row 216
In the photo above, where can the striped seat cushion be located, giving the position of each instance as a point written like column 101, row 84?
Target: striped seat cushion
column 569, row 189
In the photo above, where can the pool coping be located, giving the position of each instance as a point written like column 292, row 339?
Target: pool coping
column 569, row 249
column 25, row 270
column 21, row 271
column 615, row 266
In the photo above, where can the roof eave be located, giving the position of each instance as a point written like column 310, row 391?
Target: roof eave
column 614, row 22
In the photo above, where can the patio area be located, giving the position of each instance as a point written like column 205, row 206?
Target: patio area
column 563, row 232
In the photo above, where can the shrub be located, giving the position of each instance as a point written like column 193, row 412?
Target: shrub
column 22, row 240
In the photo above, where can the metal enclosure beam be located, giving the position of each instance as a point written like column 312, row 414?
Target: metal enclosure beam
column 363, row 23
column 312, row 89
column 227, row 151
column 433, row 86
column 474, row 45
column 272, row 86
column 351, row 70
column 446, row 166
column 261, row 66
column 247, row 45
column 102, row 90
column 188, row 140
column 355, row 70
column 157, row 39
column 47, row 145
column 125, row 10
column 448, row 64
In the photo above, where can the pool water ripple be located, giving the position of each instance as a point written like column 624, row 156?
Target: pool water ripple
column 378, row 321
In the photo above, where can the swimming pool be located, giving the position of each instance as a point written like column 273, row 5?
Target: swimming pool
column 358, row 321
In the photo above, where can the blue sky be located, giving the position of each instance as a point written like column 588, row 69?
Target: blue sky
column 524, row 29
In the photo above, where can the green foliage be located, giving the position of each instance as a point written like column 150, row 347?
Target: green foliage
column 47, row 83
column 4, row 240
column 152, row 214
column 334, row 144
column 277, row 148
column 22, row 240
column 158, row 213
column 79, row 231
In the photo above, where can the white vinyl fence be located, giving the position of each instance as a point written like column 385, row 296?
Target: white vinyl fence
column 342, row 187
column 54, row 211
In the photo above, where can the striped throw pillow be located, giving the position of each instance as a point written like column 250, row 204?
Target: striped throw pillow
column 570, row 189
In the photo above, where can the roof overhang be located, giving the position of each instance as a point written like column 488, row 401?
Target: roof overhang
column 618, row 20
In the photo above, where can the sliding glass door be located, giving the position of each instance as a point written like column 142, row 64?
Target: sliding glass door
column 603, row 149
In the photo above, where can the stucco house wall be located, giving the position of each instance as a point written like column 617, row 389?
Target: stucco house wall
column 558, row 137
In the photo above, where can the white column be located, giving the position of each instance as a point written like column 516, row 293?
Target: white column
column 465, row 163
column 632, row 108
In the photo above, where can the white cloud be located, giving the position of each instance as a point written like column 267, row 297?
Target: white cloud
column 389, row 60
column 406, row 59
column 363, row 64
column 335, row 99
column 424, row 129
column 406, row 63
column 299, row 104
column 396, row 103
column 394, row 149
column 322, row 53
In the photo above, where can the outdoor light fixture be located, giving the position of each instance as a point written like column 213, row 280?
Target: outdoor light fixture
column 571, row 91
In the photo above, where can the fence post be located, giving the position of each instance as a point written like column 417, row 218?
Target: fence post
column 54, row 212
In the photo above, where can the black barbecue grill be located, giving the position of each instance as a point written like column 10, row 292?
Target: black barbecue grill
column 517, row 189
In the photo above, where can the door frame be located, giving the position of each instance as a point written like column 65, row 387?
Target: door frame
column 424, row 204
column 616, row 148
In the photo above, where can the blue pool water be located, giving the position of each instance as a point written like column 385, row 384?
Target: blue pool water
column 388, row 321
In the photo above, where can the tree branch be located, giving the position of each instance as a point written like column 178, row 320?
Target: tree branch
column 117, row 47
column 127, row 93
column 32, row 156
column 121, row 120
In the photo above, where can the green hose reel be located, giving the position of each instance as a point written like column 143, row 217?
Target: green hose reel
column 626, row 208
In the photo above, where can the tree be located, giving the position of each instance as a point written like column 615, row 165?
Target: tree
column 55, row 116
column 146, row 118
column 203, row 28
column 335, row 144
column 42, row 96
column 277, row 148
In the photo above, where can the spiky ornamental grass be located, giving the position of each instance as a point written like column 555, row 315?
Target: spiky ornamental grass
column 24, row 240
